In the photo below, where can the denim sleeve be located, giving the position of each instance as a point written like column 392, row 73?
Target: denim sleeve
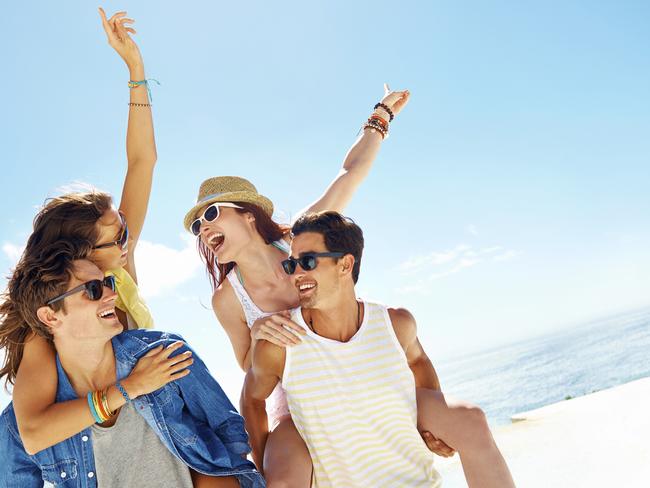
column 207, row 403
column 17, row 468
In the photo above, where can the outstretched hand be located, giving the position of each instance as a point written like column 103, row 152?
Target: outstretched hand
column 395, row 100
column 117, row 30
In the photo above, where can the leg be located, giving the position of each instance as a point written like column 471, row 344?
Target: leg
column 200, row 480
column 465, row 428
column 287, row 463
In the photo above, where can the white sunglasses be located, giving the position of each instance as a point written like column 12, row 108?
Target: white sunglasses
column 210, row 214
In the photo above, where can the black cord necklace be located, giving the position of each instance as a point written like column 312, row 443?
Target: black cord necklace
column 311, row 320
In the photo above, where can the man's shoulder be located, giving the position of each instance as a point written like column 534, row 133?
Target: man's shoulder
column 139, row 341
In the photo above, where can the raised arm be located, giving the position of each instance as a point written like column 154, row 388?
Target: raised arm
column 43, row 423
column 358, row 160
column 267, row 369
column 140, row 143
column 406, row 331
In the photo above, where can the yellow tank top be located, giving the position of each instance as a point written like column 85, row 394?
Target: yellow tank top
column 354, row 405
column 130, row 301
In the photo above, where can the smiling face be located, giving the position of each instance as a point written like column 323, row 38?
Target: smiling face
column 226, row 235
column 323, row 285
column 84, row 319
column 110, row 229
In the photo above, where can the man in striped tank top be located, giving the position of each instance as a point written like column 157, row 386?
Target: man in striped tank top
column 351, row 383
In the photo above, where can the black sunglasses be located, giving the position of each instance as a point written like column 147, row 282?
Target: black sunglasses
column 307, row 261
column 94, row 289
column 122, row 241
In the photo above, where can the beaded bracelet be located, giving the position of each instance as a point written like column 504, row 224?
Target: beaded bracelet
column 126, row 396
column 383, row 122
column 133, row 104
column 388, row 110
column 374, row 125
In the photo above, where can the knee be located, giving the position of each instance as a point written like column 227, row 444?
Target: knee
column 476, row 431
column 476, row 418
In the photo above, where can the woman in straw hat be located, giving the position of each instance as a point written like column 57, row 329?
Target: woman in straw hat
column 89, row 221
column 243, row 248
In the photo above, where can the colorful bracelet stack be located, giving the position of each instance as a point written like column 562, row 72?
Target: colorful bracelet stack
column 98, row 403
column 377, row 121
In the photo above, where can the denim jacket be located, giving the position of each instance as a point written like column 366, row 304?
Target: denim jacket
column 192, row 416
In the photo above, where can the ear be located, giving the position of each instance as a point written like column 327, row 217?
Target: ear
column 48, row 317
column 347, row 263
column 250, row 217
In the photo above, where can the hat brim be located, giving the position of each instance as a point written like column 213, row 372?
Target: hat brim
column 234, row 196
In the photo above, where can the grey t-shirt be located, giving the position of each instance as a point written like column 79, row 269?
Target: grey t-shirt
column 130, row 454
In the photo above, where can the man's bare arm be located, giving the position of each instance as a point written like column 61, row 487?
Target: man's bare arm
column 266, row 371
column 406, row 330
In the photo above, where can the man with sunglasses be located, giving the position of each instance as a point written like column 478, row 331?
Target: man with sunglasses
column 351, row 382
column 166, row 438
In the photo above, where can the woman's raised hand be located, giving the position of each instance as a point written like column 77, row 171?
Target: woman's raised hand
column 117, row 30
column 395, row 100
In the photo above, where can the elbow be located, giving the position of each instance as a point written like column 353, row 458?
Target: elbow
column 31, row 441
column 34, row 435
column 148, row 161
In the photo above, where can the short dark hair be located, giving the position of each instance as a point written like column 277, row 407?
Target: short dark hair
column 340, row 234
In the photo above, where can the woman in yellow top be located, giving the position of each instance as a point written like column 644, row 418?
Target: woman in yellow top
column 90, row 220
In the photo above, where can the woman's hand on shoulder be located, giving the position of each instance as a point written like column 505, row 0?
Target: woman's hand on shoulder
column 156, row 368
column 278, row 329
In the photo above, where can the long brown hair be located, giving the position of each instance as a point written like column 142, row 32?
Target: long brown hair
column 38, row 277
column 266, row 227
column 65, row 229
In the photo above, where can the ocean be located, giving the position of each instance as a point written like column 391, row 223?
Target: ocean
column 536, row 372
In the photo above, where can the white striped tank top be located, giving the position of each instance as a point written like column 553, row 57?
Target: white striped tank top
column 354, row 405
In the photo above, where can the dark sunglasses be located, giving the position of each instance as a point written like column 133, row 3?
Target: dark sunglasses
column 94, row 289
column 307, row 261
column 210, row 214
column 122, row 241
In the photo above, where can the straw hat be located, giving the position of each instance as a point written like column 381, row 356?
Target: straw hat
column 227, row 189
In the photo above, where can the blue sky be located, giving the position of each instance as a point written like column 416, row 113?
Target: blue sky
column 510, row 200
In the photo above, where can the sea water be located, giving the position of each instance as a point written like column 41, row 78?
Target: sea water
column 519, row 377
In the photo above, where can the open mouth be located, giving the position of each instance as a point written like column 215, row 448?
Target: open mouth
column 215, row 241
column 305, row 289
column 107, row 314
